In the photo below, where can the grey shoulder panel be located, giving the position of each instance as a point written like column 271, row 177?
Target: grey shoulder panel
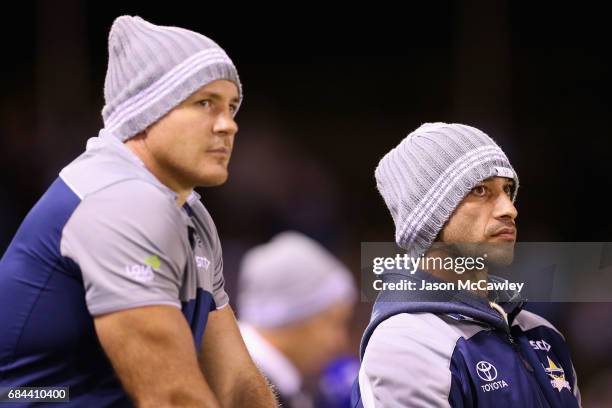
column 407, row 361
column 129, row 242
column 527, row 320
column 106, row 161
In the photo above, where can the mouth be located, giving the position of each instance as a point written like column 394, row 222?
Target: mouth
column 506, row 233
column 219, row 151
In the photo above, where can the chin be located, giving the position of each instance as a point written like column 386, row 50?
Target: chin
column 501, row 255
column 497, row 254
column 212, row 179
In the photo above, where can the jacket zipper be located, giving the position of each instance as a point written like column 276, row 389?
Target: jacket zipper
column 530, row 370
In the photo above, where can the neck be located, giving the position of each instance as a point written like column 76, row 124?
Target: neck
column 138, row 146
column 451, row 275
column 283, row 342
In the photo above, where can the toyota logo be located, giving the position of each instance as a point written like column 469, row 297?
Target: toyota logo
column 486, row 371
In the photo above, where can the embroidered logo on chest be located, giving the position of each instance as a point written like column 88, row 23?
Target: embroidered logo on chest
column 202, row 262
column 557, row 375
column 488, row 373
column 539, row 345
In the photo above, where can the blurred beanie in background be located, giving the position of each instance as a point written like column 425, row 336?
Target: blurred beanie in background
column 289, row 279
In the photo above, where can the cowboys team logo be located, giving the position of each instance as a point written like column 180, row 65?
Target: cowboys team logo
column 557, row 375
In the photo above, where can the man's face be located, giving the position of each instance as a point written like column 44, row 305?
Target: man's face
column 192, row 144
column 487, row 216
column 323, row 337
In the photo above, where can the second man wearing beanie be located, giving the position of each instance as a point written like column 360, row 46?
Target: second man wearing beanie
column 295, row 300
column 451, row 191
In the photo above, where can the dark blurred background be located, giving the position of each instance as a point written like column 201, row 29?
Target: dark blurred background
column 327, row 93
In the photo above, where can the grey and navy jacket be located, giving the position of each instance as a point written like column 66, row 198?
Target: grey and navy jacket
column 452, row 348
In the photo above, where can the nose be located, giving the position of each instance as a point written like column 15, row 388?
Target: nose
column 225, row 124
column 504, row 208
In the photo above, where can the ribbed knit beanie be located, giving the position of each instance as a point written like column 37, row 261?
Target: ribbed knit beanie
column 425, row 177
column 152, row 69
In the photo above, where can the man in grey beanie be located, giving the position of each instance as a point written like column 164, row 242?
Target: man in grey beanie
column 113, row 285
column 451, row 191
column 295, row 300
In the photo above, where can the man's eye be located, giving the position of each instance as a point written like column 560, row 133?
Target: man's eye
column 509, row 190
column 479, row 191
column 204, row 102
column 233, row 109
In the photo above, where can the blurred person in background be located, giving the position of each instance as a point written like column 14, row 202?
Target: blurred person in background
column 113, row 285
column 295, row 300
column 447, row 185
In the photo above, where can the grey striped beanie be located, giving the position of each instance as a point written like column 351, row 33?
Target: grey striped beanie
column 152, row 69
column 425, row 177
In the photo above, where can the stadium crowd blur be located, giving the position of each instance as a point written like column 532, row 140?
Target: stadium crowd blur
column 325, row 99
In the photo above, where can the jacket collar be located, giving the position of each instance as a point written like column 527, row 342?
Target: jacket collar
column 452, row 302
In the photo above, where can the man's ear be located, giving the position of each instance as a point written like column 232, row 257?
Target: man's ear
column 439, row 236
column 139, row 136
column 143, row 134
